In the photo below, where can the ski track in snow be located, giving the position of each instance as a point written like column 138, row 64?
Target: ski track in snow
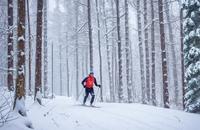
column 62, row 113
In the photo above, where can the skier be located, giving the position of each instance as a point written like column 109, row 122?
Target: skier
column 88, row 83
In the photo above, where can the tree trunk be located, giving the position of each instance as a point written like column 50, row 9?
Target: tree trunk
column 99, row 42
column 120, row 88
column 10, row 46
column 164, row 58
column 128, row 54
column 173, row 53
column 182, row 54
column 45, row 51
column 67, row 66
column 146, row 53
column 20, row 81
column 38, row 71
column 77, row 46
column 114, row 63
column 52, row 73
column 30, row 49
column 141, row 53
column 90, row 36
column 182, row 57
column 60, row 57
column 153, row 87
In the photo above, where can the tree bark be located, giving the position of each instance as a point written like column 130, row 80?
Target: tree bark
column 30, row 48
column 38, row 70
column 141, row 53
column 20, row 81
column 146, row 53
column 164, row 58
column 45, row 51
column 114, row 63
column 10, row 46
column 52, row 73
column 120, row 88
column 153, row 87
column 128, row 54
column 100, row 56
column 60, row 57
column 173, row 53
column 77, row 46
column 67, row 66
column 182, row 56
column 90, row 36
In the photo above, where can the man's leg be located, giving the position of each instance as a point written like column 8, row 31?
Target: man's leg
column 86, row 96
column 93, row 96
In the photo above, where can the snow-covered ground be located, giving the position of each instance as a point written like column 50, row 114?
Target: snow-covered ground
column 65, row 114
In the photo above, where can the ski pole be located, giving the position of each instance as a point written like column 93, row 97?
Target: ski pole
column 80, row 93
column 96, row 96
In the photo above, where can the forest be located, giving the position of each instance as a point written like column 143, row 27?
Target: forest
column 142, row 55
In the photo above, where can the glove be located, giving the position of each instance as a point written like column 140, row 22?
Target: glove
column 99, row 86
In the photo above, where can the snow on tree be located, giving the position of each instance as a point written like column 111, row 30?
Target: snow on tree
column 128, row 54
column 141, row 53
column 10, row 45
column 46, row 89
column 19, row 103
column 90, row 34
column 153, row 73
column 163, row 53
column 146, row 53
column 99, row 43
column 38, row 69
column 120, row 87
column 191, row 25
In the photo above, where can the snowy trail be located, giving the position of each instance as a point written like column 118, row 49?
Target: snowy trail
column 62, row 114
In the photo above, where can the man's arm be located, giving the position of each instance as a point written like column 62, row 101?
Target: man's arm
column 95, row 82
column 84, row 81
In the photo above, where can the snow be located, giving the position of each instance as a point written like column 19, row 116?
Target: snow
column 21, row 38
column 64, row 113
column 20, row 106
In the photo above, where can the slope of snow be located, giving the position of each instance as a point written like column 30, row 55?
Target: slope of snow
column 62, row 113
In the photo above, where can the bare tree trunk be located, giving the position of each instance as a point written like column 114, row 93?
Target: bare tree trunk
column 141, row 51
column 20, row 81
column 128, row 54
column 67, row 66
column 120, row 88
column 108, row 52
column 38, row 71
column 164, row 58
column 99, row 42
column 114, row 63
column 45, row 51
column 146, row 53
column 173, row 53
column 182, row 56
column 90, row 36
column 30, row 48
column 153, row 87
column 10, row 46
column 60, row 57
column 77, row 46
column 52, row 73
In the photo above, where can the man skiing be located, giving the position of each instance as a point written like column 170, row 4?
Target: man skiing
column 88, row 83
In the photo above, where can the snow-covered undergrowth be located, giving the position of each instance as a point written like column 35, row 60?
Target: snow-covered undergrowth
column 64, row 113
column 9, row 119
column 6, row 99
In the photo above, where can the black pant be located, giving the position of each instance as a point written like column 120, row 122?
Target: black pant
column 87, row 92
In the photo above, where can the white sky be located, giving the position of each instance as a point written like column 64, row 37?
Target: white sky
column 52, row 4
